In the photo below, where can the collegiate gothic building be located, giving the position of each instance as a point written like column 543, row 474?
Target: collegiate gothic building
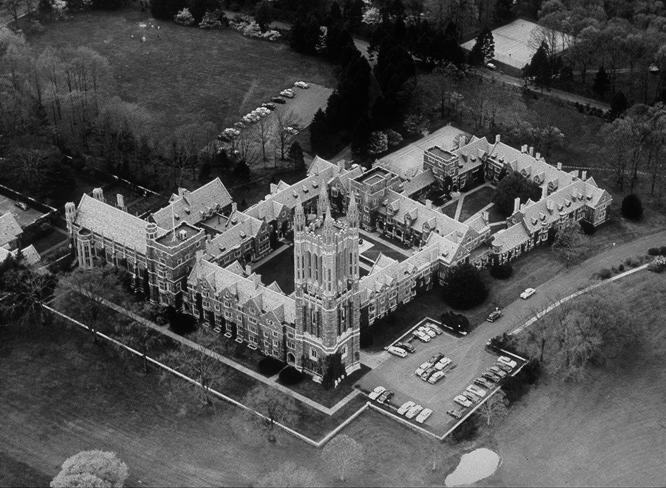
column 196, row 253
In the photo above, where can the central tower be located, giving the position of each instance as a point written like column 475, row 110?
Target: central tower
column 326, row 290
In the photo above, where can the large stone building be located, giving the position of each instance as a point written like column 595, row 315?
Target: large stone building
column 196, row 254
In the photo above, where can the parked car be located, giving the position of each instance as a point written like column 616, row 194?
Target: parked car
column 490, row 376
column 442, row 363
column 470, row 396
column 484, row 383
column 497, row 371
column 301, row 84
column 406, row 346
column 404, row 407
column 508, row 361
column 436, row 357
column 456, row 414
column 374, row 394
column 491, row 66
column 423, row 416
column 289, row 93
column 385, row 397
column 480, row 392
column 494, row 315
column 504, row 367
column 412, row 412
column 239, row 125
column 397, row 351
column 435, row 329
column 425, row 376
column 21, row 205
column 435, row 377
column 268, row 105
column 527, row 293
column 462, row 401
column 428, row 331
column 278, row 100
column 419, row 371
column 421, row 336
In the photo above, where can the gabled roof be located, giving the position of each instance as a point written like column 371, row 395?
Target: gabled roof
column 111, row 222
column 419, row 182
column 30, row 255
column 9, row 228
column 382, row 262
column 194, row 206
column 508, row 239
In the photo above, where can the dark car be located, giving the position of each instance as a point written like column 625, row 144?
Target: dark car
column 268, row 105
column 278, row 100
column 491, row 377
column 406, row 347
column 454, row 413
column 385, row 397
column 494, row 315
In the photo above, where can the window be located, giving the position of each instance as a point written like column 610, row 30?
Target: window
column 313, row 354
column 343, row 352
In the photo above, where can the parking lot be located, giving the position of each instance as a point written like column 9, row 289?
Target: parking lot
column 397, row 374
column 23, row 217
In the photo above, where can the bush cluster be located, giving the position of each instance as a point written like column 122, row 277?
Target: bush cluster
column 632, row 207
column 291, row 376
column 657, row 251
column 270, row 366
column 501, row 271
column 515, row 387
column 467, row 430
column 605, row 273
column 464, row 288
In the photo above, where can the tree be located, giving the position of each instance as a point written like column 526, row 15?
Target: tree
column 96, row 469
column 283, row 122
column 494, row 408
column 501, row 271
column 296, row 156
column 618, row 104
column 464, row 288
column 319, row 132
column 378, row 143
column 274, row 405
column 601, row 82
column 571, row 244
column 290, row 474
column 632, row 207
column 14, row 8
column 540, row 68
column 484, row 48
column 27, row 290
column 343, row 456
column 263, row 15
column 513, row 186
column 166, row 9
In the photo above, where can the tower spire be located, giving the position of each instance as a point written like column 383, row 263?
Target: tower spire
column 352, row 211
column 299, row 217
column 323, row 204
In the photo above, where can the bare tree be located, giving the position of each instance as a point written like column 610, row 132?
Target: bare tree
column 274, row 405
column 14, row 8
column 264, row 135
column 494, row 408
column 283, row 121
column 343, row 455
column 571, row 244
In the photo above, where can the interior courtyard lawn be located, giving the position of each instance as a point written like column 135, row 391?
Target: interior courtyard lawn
column 475, row 201
column 185, row 75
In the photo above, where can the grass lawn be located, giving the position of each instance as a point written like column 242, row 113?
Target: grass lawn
column 49, row 240
column 450, row 209
column 61, row 394
column 475, row 201
column 232, row 74
column 378, row 246
column 280, row 269
column 607, row 430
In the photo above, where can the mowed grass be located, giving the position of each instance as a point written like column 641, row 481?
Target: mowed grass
column 185, row 75
column 610, row 429
column 474, row 202
column 61, row 394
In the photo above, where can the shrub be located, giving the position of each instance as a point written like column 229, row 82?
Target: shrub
column 184, row 17
column 501, row 271
column 662, row 251
column 269, row 366
column 179, row 322
column 467, row 430
column 658, row 265
column 464, row 288
column 456, row 321
column 621, row 267
column 632, row 207
column 653, row 251
column 291, row 376
column 512, row 186
column 614, row 270
column 631, row 262
column 587, row 228
column 604, row 274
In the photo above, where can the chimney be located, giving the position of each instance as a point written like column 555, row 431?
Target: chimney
column 273, row 188
column 544, row 191
column 428, row 203
column 559, row 166
column 341, row 165
column 248, row 269
column 181, row 191
column 516, row 204
column 498, row 138
column 538, row 155
column 98, row 194
column 531, row 150
column 485, row 215
column 120, row 201
column 234, row 207
column 584, row 176
column 523, row 148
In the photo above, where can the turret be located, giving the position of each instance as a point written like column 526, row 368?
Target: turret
column 70, row 216
column 352, row 211
column 98, row 194
column 299, row 217
column 329, row 229
column 322, row 203
column 151, row 230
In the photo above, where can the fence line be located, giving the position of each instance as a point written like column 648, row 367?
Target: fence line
column 214, row 392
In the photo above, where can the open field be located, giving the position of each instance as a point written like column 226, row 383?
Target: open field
column 232, row 74
column 609, row 430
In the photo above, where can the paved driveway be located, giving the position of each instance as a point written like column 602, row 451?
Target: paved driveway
column 23, row 217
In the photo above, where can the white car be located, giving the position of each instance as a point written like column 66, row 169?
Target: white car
column 427, row 331
column 437, row 330
column 404, row 407
column 423, row 337
column 435, row 377
column 508, row 361
column 301, row 84
column 413, row 411
column 396, row 351
column 442, row 364
column 376, row 392
column 289, row 93
column 419, row 371
column 462, row 401
column 527, row 293
column 480, row 392
column 423, row 416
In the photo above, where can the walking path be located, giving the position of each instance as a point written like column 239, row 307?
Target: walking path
column 271, row 255
column 239, row 367
column 375, row 237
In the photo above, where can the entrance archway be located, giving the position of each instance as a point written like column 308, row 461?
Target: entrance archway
column 291, row 359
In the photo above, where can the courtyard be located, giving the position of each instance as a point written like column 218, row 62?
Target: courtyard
column 23, row 217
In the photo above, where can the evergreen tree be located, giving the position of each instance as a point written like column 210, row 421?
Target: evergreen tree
column 353, row 13
column 166, row 9
column 263, row 15
column 484, row 48
column 464, row 287
column 618, row 104
column 296, row 156
column 361, row 135
column 319, row 132
column 601, row 82
column 539, row 66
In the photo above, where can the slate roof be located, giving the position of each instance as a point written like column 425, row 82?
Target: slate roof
column 419, row 182
column 239, row 228
column 114, row 224
column 245, row 288
column 194, row 206
column 9, row 228
column 30, row 255
column 393, row 272
column 508, row 239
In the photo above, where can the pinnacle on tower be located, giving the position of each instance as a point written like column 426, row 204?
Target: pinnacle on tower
column 299, row 217
column 328, row 221
column 323, row 202
column 352, row 211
